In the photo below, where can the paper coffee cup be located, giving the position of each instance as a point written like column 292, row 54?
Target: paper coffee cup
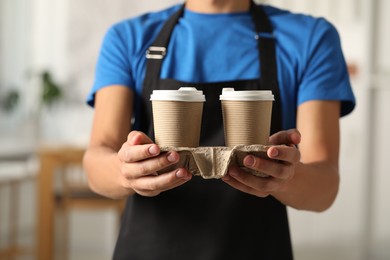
column 246, row 116
column 177, row 116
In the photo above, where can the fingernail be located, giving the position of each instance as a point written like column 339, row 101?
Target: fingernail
column 180, row 173
column 249, row 160
column 172, row 157
column 274, row 152
column 153, row 150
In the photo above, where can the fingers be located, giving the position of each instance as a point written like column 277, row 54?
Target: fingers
column 134, row 153
column 287, row 137
column 150, row 166
column 154, row 185
column 289, row 154
column 141, row 159
column 268, row 167
column 248, row 183
column 282, row 164
column 142, row 176
column 137, row 147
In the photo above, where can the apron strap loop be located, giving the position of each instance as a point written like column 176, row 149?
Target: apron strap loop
column 155, row 52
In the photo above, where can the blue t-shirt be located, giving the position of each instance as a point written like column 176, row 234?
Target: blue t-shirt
column 222, row 47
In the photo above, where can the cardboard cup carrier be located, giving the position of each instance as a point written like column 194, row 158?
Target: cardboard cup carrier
column 177, row 116
column 246, row 116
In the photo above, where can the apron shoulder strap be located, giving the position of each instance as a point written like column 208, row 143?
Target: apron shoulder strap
column 268, row 66
column 157, row 51
column 267, row 52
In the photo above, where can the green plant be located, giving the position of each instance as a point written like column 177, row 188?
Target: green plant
column 10, row 100
column 51, row 91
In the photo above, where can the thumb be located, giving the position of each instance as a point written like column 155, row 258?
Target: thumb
column 286, row 137
column 138, row 138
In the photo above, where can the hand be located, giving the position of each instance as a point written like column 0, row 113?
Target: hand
column 141, row 160
column 280, row 167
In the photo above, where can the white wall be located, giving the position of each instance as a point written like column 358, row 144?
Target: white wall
column 380, row 174
column 14, row 64
column 383, row 62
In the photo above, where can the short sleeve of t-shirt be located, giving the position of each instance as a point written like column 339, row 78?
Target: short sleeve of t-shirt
column 113, row 67
column 325, row 75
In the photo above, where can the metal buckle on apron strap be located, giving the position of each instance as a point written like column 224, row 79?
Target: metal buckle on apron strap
column 264, row 35
column 156, row 52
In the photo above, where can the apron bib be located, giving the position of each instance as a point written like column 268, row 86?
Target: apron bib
column 206, row 219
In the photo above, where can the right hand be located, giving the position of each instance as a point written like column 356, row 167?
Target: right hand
column 141, row 159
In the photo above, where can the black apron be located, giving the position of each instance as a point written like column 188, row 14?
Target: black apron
column 206, row 219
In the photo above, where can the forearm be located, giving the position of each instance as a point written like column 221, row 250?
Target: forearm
column 103, row 170
column 313, row 187
column 315, row 183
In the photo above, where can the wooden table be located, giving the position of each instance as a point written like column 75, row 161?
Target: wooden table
column 50, row 159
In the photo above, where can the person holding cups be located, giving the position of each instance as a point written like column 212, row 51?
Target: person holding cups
column 210, row 45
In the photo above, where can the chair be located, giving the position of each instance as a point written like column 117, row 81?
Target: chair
column 73, row 192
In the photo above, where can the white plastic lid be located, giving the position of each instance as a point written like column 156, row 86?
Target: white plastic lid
column 246, row 95
column 184, row 94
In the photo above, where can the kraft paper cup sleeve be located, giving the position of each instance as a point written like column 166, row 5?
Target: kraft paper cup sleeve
column 177, row 116
column 213, row 162
column 246, row 116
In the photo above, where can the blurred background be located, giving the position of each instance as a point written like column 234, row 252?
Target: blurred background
column 48, row 50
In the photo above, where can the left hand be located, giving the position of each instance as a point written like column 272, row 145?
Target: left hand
column 280, row 167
